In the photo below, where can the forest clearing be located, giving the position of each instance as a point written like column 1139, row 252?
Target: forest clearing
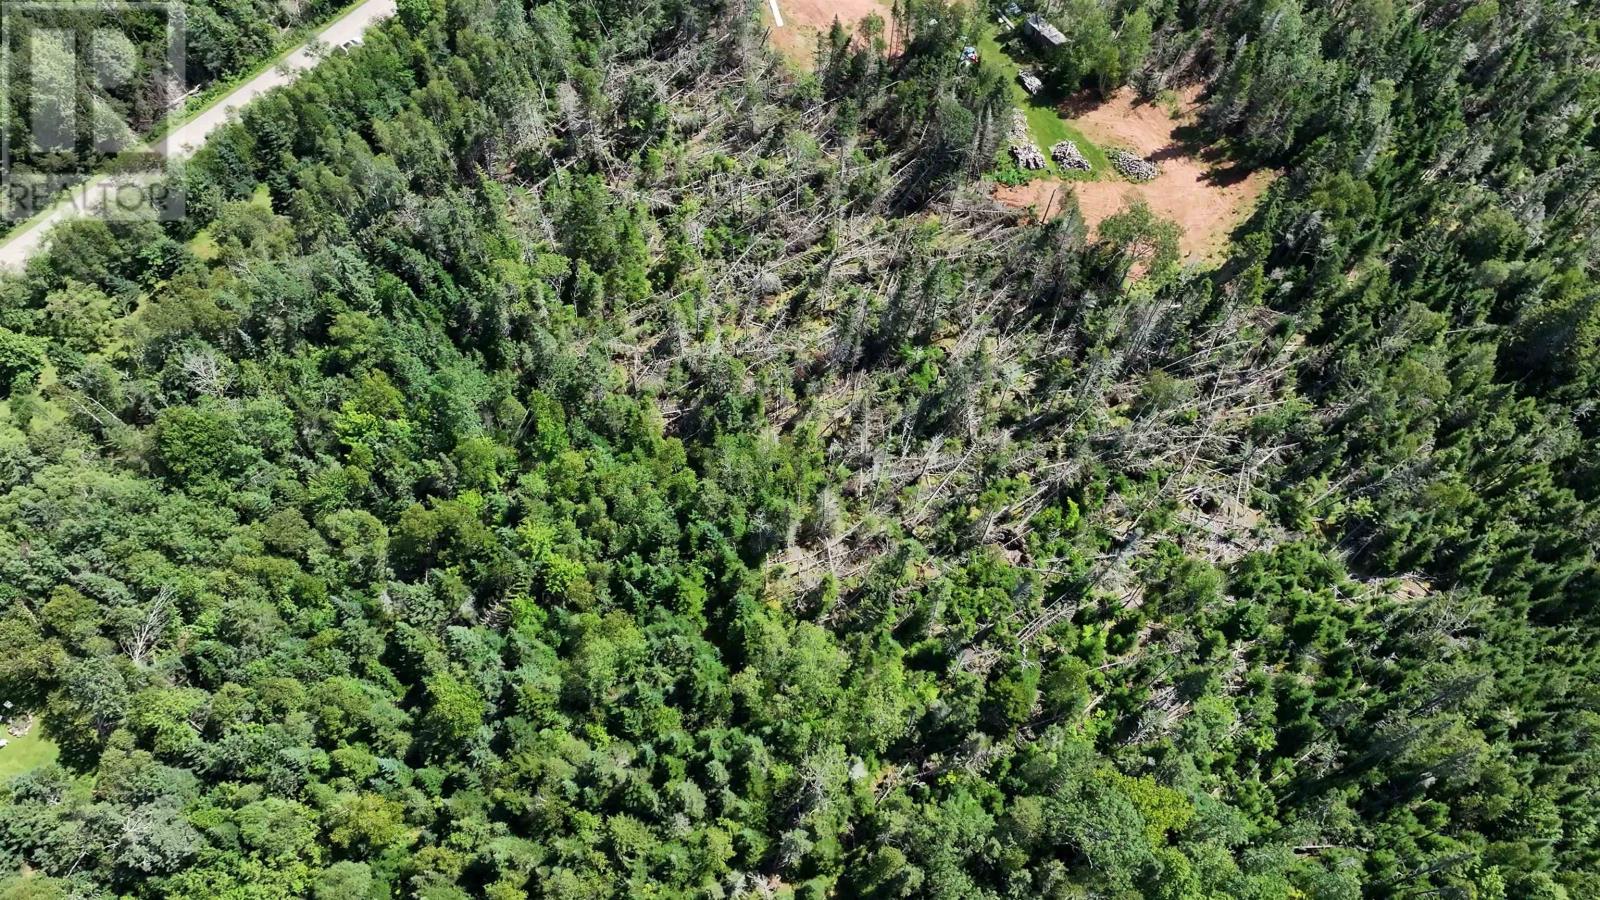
column 804, row 20
column 1046, row 121
column 1205, row 197
column 25, row 752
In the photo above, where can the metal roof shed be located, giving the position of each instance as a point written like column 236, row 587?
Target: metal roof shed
column 1042, row 34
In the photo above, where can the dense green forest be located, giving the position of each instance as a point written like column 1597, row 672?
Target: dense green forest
column 566, row 454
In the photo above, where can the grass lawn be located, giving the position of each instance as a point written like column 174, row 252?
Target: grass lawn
column 26, row 753
column 1046, row 124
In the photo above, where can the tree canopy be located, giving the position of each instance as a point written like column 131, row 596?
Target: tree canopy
column 564, row 454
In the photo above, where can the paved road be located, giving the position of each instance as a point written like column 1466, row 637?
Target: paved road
column 188, row 137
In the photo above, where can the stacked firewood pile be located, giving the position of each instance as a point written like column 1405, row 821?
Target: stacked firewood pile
column 1066, row 155
column 1022, row 147
column 1133, row 168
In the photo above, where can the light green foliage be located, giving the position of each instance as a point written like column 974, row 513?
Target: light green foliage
column 455, row 710
column 22, row 358
column 1105, row 45
column 1136, row 237
column 366, row 823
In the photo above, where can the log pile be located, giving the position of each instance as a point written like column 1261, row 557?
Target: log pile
column 1027, row 156
column 1022, row 147
column 1066, row 155
column 1133, row 168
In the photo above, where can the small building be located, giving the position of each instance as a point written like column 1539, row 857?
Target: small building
column 1030, row 82
column 1042, row 34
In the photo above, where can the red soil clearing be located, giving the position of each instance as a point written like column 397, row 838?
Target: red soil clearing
column 1206, row 201
column 804, row 20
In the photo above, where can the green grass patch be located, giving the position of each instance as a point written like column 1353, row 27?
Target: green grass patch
column 1045, row 123
column 205, row 246
column 26, row 753
column 1048, row 128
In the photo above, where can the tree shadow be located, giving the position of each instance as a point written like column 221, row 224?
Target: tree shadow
column 1225, row 175
column 1076, row 104
column 1190, row 134
column 1042, row 100
column 1171, row 151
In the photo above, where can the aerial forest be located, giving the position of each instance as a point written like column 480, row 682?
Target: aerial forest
column 566, row 451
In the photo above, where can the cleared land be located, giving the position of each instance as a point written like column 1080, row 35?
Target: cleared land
column 1205, row 197
column 804, row 20
column 24, row 754
column 1045, row 121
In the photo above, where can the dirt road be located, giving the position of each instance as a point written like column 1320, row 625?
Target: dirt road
column 188, row 137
